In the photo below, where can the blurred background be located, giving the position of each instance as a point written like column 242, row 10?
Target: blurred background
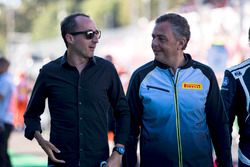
column 30, row 37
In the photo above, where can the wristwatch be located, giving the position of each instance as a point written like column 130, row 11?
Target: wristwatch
column 120, row 150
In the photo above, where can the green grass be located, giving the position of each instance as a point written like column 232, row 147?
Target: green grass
column 26, row 160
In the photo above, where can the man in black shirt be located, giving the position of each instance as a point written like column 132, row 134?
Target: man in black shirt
column 80, row 89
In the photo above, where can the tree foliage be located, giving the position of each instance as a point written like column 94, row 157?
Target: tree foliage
column 2, row 30
column 41, row 18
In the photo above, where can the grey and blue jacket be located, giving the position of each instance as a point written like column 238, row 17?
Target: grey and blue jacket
column 177, row 117
column 235, row 91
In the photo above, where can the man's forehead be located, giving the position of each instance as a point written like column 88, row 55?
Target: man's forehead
column 84, row 19
column 85, row 22
column 161, row 28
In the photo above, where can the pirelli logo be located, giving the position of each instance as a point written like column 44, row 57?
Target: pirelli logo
column 187, row 85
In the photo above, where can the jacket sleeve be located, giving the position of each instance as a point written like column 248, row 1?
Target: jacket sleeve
column 130, row 157
column 228, row 92
column 218, row 124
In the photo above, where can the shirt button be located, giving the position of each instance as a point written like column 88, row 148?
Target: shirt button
column 80, row 102
column 81, row 134
column 81, row 149
column 80, row 118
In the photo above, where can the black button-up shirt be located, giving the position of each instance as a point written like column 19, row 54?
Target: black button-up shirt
column 78, row 105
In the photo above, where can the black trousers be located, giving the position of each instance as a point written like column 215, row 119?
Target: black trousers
column 4, row 138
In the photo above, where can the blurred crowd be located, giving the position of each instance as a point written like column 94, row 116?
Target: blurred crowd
column 13, row 101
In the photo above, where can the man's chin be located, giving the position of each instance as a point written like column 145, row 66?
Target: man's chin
column 91, row 55
column 159, row 58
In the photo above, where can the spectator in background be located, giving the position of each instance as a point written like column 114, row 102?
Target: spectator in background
column 109, row 58
column 121, row 70
column 217, row 56
column 23, row 90
column 6, row 114
column 235, row 91
column 176, row 105
column 80, row 89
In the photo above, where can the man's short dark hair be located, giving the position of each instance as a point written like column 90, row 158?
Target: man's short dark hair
column 179, row 24
column 69, row 24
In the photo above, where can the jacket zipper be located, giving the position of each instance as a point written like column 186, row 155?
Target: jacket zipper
column 178, row 130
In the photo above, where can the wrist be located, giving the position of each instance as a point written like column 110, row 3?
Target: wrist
column 119, row 149
column 38, row 137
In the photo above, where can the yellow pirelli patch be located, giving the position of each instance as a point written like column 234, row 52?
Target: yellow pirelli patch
column 187, row 85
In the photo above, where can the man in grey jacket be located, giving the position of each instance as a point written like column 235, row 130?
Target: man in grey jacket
column 176, row 106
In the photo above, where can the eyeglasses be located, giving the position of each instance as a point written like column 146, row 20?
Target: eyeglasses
column 89, row 34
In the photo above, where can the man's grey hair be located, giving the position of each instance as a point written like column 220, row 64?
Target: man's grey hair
column 179, row 25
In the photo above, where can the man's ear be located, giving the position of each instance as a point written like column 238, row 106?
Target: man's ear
column 182, row 43
column 69, row 38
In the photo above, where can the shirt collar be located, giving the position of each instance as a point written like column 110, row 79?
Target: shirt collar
column 92, row 60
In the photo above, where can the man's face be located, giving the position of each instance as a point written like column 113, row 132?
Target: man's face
column 80, row 43
column 164, row 44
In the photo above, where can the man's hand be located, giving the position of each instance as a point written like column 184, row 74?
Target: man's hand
column 48, row 147
column 115, row 160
